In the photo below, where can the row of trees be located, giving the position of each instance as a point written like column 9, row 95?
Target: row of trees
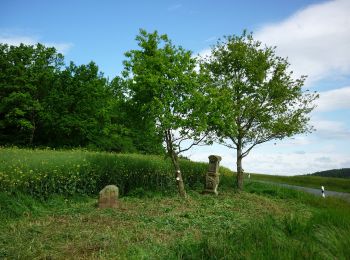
column 45, row 103
column 241, row 95
column 335, row 173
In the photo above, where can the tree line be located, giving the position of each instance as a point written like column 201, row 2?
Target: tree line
column 46, row 103
column 335, row 173
column 165, row 101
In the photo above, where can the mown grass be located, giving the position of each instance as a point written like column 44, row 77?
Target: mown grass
column 330, row 183
column 264, row 222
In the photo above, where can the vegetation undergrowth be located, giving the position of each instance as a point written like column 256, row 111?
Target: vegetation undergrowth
column 41, row 173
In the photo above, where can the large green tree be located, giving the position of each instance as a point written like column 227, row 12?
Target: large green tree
column 26, row 76
column 44, row 103
column 165, row 88
column 77, row 107
column 256, row 96
column 138, row 132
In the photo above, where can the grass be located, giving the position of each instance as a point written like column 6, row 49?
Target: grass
column 41, row 173
column 264, row 222
column 330, row 183
column 152, row 222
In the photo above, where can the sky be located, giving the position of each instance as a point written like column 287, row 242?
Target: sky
column 314, row 36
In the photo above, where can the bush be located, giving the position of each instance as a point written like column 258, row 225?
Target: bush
column 44, row 172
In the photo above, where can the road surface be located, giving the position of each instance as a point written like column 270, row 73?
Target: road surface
column 342, row 195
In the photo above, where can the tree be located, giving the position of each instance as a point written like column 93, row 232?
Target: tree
column 26, row 76
column 164, row 87
column 78, row 108
column 43, row 103
column 256, row 96
column 138, row 133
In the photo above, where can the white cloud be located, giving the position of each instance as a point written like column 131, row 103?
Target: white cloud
column 298, row 140
column 286, row 163
column 334, row 100
column 330, row 129
column 32, row 40
column 315, row 39
column 17, row 40
column 295, row 163
column 60, row 47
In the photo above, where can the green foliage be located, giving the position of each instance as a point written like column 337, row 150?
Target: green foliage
column 45, row 104
column 164, row 87
column 165, row 90
column 255, row 95
column 27, row 74
column 45, row 172
column 77, row 108
column 335, row 173
column 138, row 132
column 163, row 82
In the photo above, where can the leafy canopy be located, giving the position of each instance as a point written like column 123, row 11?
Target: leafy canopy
column 257, row 96
column 165, row 87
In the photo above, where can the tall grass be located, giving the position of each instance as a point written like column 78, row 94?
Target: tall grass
column 321, row 233
column 44, row 172
column 320, row 237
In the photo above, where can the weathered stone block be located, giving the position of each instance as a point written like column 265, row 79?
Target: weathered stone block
column 108, row 197
column 213, row 176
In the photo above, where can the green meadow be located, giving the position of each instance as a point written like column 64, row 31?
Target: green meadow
column 42, row 218
column 330, row 183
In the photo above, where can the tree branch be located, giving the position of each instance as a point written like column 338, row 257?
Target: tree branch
column 181, row 137
column 266, row 139
column 193, row 144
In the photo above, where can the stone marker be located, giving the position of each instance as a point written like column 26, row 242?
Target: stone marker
column 212, row 177
column 108, row 197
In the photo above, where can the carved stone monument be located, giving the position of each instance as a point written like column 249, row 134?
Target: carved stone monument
column 212, row 177
column 108, row 197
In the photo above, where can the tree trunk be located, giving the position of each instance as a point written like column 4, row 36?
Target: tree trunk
column 178, row 174
column 175, row 161
column 239, row 181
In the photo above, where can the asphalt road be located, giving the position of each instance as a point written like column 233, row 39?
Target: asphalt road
column 317, row 192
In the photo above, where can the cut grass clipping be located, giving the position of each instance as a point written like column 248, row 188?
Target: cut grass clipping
column 39, row 221
column 266, row 222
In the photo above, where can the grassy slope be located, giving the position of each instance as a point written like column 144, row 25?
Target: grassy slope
column 265, row 222
column 330, row 183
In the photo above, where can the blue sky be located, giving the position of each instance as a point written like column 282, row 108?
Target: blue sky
column 314, row 35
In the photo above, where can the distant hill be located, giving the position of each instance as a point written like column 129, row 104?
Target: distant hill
column 335, row 173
